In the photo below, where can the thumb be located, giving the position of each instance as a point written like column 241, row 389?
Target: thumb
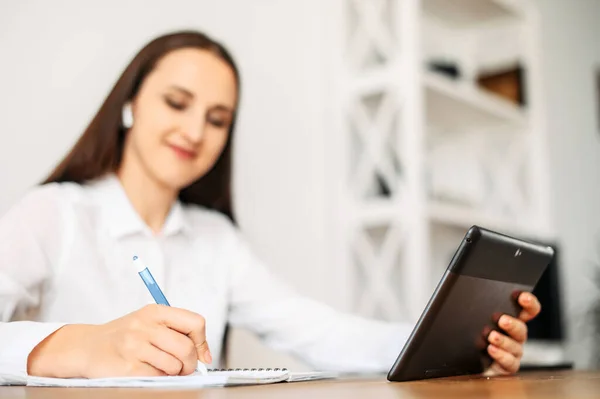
column 203, row 350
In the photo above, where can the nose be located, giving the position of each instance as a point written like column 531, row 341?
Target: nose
column 194, row 129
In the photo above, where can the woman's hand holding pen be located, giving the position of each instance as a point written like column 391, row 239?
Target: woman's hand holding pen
column 153, row 341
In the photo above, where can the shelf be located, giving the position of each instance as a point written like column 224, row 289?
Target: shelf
column 379, row 212
column 469, row 13
column 463, row 217
column 454, row 105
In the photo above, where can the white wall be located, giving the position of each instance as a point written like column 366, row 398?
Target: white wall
column 60, row 59
column 571, row 55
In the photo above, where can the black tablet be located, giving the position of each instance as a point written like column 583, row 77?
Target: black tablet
column 482, row 282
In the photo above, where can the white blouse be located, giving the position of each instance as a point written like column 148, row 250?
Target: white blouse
column 66, row 257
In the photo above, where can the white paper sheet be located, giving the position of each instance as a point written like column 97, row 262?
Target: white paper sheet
column 213, row 379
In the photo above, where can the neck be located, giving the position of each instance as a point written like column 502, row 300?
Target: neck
column 151, row 200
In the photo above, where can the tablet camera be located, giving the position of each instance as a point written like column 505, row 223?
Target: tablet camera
column 518, row 252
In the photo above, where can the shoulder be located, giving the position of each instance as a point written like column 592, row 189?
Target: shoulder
column 52, row 199
column 42, row 211
column 55, row 192
column 48, row 198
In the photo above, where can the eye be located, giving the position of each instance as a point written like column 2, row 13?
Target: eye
column 218, row 122
column 218, row 118
column 177, row 105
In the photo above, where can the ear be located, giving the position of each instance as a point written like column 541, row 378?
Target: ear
column 127, row 116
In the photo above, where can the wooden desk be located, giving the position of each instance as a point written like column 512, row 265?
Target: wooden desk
column 559, row 384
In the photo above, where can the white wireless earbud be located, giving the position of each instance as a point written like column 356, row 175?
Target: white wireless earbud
column 127, row 116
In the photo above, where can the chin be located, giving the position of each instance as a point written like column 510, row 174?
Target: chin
column 175, row 181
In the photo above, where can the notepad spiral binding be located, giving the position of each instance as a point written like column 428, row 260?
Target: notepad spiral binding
column 261, row 369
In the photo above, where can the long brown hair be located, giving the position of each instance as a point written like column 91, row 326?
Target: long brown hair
column 100, row 148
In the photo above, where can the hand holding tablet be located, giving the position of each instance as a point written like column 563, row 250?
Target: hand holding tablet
column 481, row 287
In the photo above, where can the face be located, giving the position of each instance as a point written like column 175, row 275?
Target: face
column 182, row 115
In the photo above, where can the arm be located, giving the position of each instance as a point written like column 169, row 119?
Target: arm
column 322, row 337
column 331, row 340
column 25, row 264
column 154, row 340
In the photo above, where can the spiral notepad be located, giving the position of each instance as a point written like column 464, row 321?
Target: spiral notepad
column 214, row 378
column 246, row 370
column 274, row 373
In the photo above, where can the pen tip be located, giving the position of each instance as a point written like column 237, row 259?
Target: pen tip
column 135, row 257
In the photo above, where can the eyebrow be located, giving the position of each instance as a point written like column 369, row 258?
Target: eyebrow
column 221, row 107
column 183, row 90
column 188, row 93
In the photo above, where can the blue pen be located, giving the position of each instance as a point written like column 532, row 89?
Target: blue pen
column 158, row 296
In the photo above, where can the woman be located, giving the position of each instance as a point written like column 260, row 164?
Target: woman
column 150, row 176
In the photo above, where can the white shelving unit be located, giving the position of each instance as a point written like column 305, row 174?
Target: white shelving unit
column 403, row 129
column 480, row 36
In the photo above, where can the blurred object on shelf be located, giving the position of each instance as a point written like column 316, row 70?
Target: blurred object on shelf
column 549, row 325
column 509, row 83
column 447, row 68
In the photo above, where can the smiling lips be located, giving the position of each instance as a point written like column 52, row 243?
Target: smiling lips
column 182, row 152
